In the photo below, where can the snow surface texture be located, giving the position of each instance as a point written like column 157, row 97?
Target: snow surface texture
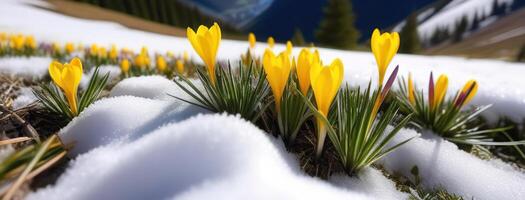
column 204, row 157
column 442, row 165
column 31, row 68
column 136, row 106
column 25, row 97
column 494, row 77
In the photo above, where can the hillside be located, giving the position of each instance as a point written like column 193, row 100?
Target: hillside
column 501, row 39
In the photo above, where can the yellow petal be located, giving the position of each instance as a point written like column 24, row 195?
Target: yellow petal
column 441, row 89
column 411, row 97
column 252, row 40
column 472, row 92
column 55, row 71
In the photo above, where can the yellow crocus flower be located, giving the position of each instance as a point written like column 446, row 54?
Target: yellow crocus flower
column 70, row 47
column 124, row 65
column 252, row 40
column 384, row 46
column 102, row 52
column 30, row 42
column 161, row 64
column 440, row 90
column 67, row 76
column 271, row 42
column 470, row 84
column 325, row 85
column 93, row 50
column 180, row 66
column 3, row 36
column 185, row 56
column 206, row 43
column 305, row 61
column 17, row 42
column 113, row 53
column 289, row 47
column 411, row 97
column 277, row 70
column 141, row 61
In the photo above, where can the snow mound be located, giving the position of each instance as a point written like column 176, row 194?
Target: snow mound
column 120, row 119
column 204, row 157
column 442, row 164
column 152, row 87
column 25, row 97
column 26, row 67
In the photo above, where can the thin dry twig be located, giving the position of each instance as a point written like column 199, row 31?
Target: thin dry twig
column 27, row 128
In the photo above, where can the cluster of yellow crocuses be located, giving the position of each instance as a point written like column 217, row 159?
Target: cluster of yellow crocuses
column 325, row 80
column 438, row 90
column 17, row 43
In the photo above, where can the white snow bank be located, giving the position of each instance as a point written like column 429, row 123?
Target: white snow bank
column 442, row 164
column 369, row 181
column 205, row 157
column 25, row 97
column 27, row 67
column 152, row 87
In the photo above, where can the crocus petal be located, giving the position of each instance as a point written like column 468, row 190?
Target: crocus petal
column 55, row 71
column 411, row 97
column 471, row 85
column 441, row 89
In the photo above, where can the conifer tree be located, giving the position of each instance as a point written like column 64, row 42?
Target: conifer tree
column 521, row 54
column 460, row 29
column 409, row 36
column 298, row 38
column 337, row 27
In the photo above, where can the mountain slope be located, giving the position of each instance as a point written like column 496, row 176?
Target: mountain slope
column 501, row 39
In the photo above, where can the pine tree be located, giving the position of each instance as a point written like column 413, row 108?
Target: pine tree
column 475, row 22
column 410, row 42
column 460, row 29
column 521, row 54
column 298, row 38
column 337, row 27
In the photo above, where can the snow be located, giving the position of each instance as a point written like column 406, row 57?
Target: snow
column 27, row 67
column 442, row 164
column 24, row 97
column 152, row 87
column 135, row 106
column 453, row 12
column 204, row 157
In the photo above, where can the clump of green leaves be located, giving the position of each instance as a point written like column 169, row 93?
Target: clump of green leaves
column 235, row 92
column 359, row 135
column 293, row 113
column 54, row 100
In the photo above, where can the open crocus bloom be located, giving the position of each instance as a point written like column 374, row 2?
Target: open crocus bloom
column 206, row 43
column 67, row 76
